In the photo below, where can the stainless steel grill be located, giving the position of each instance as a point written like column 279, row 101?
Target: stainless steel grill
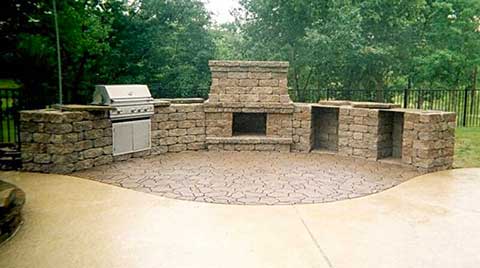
column 131, row 118
column 129, row 101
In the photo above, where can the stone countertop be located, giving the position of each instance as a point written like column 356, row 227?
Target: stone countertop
column 159, row 102
column 80, row 107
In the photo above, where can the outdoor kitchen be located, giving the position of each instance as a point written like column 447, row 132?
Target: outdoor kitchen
column 248, row 110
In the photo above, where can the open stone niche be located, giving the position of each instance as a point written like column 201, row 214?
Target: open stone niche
column 248, row 109
column 325, row 128
column 390, row 135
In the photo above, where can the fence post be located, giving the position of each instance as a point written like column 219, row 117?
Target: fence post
column 465, row 99
column 405, row 97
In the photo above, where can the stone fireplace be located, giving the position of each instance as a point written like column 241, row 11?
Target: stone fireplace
column 249, row 107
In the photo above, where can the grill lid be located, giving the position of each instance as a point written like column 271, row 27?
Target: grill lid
column 110, row 94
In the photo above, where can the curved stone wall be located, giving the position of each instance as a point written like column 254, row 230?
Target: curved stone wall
column 56, row 141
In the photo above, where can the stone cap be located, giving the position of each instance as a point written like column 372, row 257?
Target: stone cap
column 81, row 107
column 334, row 102
column 164, row 102
column 374, row 105
column 266, row 64
column 422, row 112
column 58, row 116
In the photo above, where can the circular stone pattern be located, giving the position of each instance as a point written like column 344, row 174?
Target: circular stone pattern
column 252, row 178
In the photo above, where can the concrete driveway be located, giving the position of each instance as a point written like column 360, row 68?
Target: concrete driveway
column 430, row 221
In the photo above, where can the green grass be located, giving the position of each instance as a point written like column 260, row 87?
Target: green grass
column 467, row 147
column 7, row 83
column 7, row 126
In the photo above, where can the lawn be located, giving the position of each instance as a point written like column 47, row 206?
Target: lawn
column 467, row 147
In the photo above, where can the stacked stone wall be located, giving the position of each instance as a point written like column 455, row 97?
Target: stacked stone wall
column 429, row 140
column 63, row 142
column 249, row 82
column 178, row 127
column 358, row 132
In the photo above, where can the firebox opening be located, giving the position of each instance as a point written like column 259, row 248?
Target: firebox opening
column 390, row 135
column 249, row 124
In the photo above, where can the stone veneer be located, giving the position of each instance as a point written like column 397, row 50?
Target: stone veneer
column 178, row 127
column 56, row 141
column 62, row 142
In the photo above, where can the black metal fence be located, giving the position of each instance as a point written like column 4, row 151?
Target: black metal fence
column 466, row 103
column 9, row 116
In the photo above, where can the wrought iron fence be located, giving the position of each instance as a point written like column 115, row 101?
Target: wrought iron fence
column 9, row 116
column 466, row 103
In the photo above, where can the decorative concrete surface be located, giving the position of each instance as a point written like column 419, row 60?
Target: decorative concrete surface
column 429, row 221
column 252, row 178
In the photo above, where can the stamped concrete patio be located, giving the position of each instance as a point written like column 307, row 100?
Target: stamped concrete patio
column 429, row 221
column 252, row 178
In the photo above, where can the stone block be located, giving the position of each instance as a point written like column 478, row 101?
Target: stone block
column 102, row 142
column 248, row 83
column 177, row 132
column 237, row 75
column 65, row 159
column 186, row 139
column 196, row 116
column 177, row 148
column 168, row 125
column 186, row 124
column 41, row 137
column 42, row 158
column 244, row 147
column 196, row 146
column 196, row 130
column 83, row 145
column 93, row 134
column 82, row 126
column 103, row 123
column 92, row 153
column 160, row 117
column 268, row 82
column 157, row 134
column 84, row 164
column 168, row 141
column 177, row 116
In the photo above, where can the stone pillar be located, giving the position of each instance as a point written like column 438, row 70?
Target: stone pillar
column 429, row 140
column 302, row 128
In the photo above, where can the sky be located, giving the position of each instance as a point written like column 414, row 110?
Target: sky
column 221, row 9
